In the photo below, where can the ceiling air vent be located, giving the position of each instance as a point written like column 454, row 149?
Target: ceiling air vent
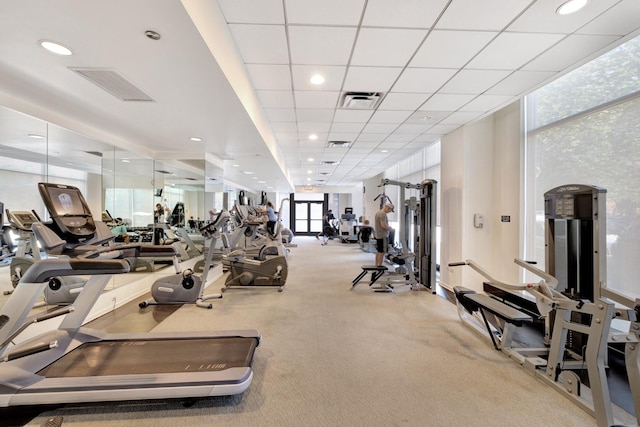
column 330, row 163
column 361, row 100
column 94, row 153
column 113, row 82
column 340, row 144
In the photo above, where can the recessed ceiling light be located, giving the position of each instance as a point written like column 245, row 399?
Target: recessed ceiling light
column 385, row 151
column 262, row 182
column 56, row 48
column 247, row 172
column 310, row 159
column 195, row 139
column 309, row 171
column 126, row 161
column 236, row 166
column 571, row 6
column 35, row 136
column 317, row 79
column 313, row 136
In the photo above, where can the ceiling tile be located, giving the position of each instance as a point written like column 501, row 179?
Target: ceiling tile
column 413, row 128
column 320, row 136
column 261, row 44
column 384, row 116
column 404, row 14
column 541, row 17
column 342, row 136
column 423, row 80
column 366, row 144
column 446, row 102
column 358, row 151
column 385, row 128
column 316, row 99
column 281, row 114
column 460, row 118
column 276, row 98
column 450, row 49
column 288, row 127
column 487, row 103
column 443, row 129
column 403, row 101
column 325, row 12
column 253, row 11
column 287, row 136
column 621, row 19
column 401, row 138
column 344, row 115
column 425, row 138
column 370, row 79
column 386, row 47
column 315, row 114
column 316, row 127
column 509, row 51
column 320, row 45
column 474, row 81
column 376, row 138
column 391, row 145
column 481, row 15
column 302, row 75
column 347, row 127
column 568, row 52
column 270, row 77
column 427, row 117
column 519, row 82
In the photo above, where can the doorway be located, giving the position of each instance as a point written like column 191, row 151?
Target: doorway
column 308, row 217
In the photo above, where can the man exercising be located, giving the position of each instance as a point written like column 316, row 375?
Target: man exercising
column 382, row 230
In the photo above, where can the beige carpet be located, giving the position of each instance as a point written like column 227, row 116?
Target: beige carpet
column 334, row 357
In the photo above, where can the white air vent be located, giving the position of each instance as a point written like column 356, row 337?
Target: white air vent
column 330, row 163
column 361, row 100
column 340, row 144
column 114, row 83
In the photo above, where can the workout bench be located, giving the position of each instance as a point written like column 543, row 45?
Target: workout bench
column 376, row 271
column 472, row 302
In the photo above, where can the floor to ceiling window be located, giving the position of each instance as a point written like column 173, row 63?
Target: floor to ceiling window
column 584, row 128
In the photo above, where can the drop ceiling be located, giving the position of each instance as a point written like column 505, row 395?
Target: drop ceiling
column 236, row 74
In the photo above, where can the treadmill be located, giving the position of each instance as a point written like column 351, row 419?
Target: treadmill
column 75, row 364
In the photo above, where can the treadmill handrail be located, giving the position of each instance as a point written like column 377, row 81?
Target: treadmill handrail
column 50, row 267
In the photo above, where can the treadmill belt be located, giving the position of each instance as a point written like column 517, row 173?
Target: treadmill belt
column 153, row 356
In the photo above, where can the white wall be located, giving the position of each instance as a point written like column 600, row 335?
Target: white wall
column 481, row 175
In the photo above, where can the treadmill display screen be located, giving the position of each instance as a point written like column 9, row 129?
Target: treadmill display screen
column 67, row 201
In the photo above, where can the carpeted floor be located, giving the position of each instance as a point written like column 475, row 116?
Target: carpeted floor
column 334, row 357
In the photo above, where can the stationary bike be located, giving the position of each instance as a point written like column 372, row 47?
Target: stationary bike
column 186, row 287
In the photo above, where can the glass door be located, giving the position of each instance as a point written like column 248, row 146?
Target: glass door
column 308, row 217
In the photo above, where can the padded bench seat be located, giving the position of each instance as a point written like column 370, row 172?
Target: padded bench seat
column 472, row 302
column 497, row 308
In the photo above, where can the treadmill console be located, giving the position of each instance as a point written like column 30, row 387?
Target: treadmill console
column 68, row 209
column 22, row 220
